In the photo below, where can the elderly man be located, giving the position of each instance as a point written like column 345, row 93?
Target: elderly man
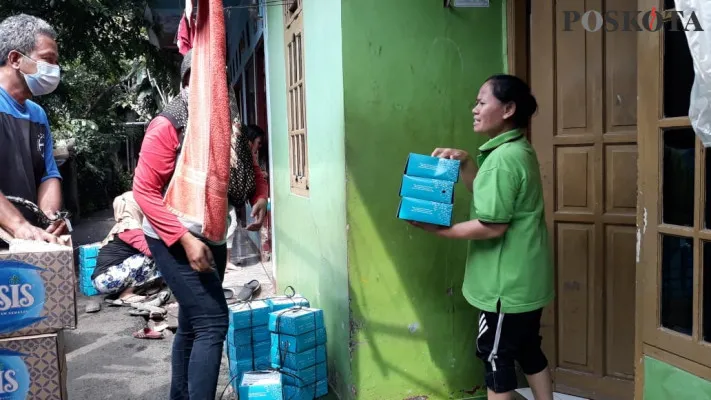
column 28, row 67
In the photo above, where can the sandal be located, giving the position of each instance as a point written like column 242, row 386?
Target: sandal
column 148, row 333
column 249, row 290
column 128, row 301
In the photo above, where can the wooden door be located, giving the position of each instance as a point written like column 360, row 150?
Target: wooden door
column 585, row 135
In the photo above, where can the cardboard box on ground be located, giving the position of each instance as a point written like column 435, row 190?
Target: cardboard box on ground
column 37, row 301
column 33, row 367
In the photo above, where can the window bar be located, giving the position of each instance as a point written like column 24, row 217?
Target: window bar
column 699, row 187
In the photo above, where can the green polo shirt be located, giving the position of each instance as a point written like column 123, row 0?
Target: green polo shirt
column 516, row 268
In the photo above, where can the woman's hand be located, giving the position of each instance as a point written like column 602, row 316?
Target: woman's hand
column 199, row 255
column 259, row 210
column 426, row 227
column 466, row 166
column 452, row 154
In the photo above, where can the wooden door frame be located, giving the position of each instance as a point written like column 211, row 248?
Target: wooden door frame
column 541, row 77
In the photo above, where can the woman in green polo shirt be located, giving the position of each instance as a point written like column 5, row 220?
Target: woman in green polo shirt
column 509, row 272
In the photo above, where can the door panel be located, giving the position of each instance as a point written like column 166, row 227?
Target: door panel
column 586, row 138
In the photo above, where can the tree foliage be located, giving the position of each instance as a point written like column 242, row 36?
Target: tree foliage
column 111, row 74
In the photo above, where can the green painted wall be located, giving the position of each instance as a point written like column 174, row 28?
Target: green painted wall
column 310, row 233
column 664, row 382
column 412, row 70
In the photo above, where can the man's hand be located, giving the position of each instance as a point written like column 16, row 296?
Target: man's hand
column 199, row 255
column 27, row 231
column 258, row 211
column 58, row 228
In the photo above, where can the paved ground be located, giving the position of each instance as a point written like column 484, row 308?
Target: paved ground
column 105, row 362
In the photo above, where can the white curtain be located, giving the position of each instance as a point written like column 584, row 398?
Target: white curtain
column 700, row 46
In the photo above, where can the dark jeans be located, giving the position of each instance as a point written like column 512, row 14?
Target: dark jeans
column 202, row 320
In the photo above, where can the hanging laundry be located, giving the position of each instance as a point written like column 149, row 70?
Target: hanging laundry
column 198, row 191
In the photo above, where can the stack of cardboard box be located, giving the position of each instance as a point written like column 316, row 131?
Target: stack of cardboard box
column 37, row 301
column 87, row 264
column 299, row 351
column 248, row 341
column 427, row 189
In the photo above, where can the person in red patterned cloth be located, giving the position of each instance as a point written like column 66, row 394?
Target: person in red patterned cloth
column 192, row 266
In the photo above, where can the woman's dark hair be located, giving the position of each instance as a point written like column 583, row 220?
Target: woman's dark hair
column 511, row 89
column 253, row 132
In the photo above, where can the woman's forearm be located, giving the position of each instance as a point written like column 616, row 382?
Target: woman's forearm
column 473, row 230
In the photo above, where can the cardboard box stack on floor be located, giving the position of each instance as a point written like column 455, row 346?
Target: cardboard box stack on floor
column 37, row 301
column 88, row 254
column 299, row 351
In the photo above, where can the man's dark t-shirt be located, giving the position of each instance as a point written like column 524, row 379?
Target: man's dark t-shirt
column 26, row 150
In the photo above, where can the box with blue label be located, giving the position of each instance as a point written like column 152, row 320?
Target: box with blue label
column 249, row 364
column 237, row 371
column 422, row 166
column 248, row 315
column 89, row 251
column 250, row 351
column 429, row 212
column 262, row 385
column 33, row 367
column 427, row 189
column 296, row 321
column 308, row 392
column 306, row 376
column 279, row 303
column 37, row 292
column 297, row 344
column 241, row 337
column 298, row 361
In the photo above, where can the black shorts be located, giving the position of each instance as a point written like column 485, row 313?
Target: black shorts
column 508, row 338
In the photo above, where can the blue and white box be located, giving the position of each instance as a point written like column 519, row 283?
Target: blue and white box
column 306, row 376
column 262, row 385
column 248, row 315
column 283, row 302
column 423, row 166
column 298, row 361
column 296, row 321
column 245, row 337
column 427, row 189
column 250, row 351
column 430, row 212
column 297, row 344
column 308, row 392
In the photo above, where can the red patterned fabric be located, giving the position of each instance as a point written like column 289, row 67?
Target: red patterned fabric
column 198, row 190
column 186, row 35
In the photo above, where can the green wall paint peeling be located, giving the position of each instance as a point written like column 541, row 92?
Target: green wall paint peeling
column 664, row 382
column 411, row 73
column 310, row 233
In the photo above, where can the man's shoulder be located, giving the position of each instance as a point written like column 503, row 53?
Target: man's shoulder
column 37, row 113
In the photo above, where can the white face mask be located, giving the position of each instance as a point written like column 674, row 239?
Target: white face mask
column 45, row 80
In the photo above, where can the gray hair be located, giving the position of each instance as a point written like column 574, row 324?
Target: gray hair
column 20, row 32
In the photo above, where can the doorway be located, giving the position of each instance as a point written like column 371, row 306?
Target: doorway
column 585, row 135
